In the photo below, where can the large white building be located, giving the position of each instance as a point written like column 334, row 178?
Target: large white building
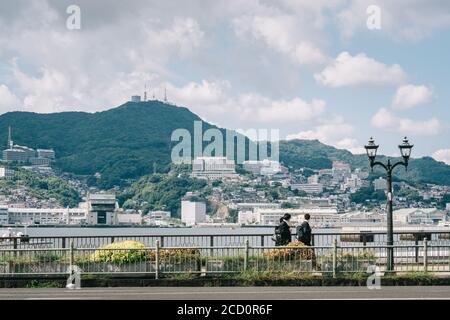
column 193, row 212
column 213, row 168
column 102, row 209
column 320, row 216
column 419, row 216
column 265, row 167
column 46, row 215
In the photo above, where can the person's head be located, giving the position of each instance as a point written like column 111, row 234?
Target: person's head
column 287, row 217
column 307, row 216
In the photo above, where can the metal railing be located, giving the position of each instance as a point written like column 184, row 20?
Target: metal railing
column 364, row 238
column 158, row 261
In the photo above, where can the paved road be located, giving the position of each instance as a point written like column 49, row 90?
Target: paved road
column 229, row 293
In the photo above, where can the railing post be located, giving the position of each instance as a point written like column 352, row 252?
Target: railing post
column 112, row 239
column 334, row 257
column 262, row 241
column 211, row 244
column 15, row 246
column 425, row 255
column 63, row 243
column 71, row 254
column 246, row 254
column 416, row 242
column 157, row 260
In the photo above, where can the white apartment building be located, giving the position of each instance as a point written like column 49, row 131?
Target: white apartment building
column 193, row 212
column 46, row 215
column 6, row 173
column 213, row 168
column 308, row 187
column 265, row 167
column 380, row 184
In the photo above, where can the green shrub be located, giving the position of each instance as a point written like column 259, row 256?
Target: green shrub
column 122, row 253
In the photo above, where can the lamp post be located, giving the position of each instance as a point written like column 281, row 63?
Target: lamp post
column 405, row 150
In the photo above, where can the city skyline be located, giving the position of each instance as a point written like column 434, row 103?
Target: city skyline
column 313, row 69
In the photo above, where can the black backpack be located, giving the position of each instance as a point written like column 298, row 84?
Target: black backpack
column 277, row 236
column 300, row 233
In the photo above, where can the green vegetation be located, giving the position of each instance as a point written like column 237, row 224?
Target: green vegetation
column 159, row 192
column 368, row 194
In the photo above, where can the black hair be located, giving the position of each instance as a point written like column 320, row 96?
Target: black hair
column 286, row 216
column 307, row 216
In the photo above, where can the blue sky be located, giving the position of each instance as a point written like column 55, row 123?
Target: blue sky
column 311, row 69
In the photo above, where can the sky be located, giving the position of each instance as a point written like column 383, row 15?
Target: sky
column 339, row 71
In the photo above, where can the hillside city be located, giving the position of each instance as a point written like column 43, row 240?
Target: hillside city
column 213, row 191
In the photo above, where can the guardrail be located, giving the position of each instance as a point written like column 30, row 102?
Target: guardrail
column 159, row 261
column 260, row 239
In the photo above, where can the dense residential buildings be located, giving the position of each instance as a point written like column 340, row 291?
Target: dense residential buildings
column 213, row 168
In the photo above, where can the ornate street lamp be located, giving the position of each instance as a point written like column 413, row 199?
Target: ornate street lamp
column 405, row 150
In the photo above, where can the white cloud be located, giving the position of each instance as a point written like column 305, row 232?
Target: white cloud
column 442, row 155
column 283, row 33
column 212, row 100
column 409, row 96
column 8, row 101
column 335, row 132
column 385, row 119
column 348, row 70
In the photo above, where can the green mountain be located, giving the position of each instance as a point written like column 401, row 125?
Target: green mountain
column 316, row 155
column 126, row 142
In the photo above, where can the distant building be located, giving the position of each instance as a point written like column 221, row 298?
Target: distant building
column 46, row 215
column 102, row 209
column 4, row 215
column 419, row 215
column 129, row 218
column 193, row 212
column 158, row 215
column 24, row 154
column 213, row 168
column 6, row 173
column 265, row 167
column 380, row 184
column 341, row 166
column 447, row 207
column 135, row 98
column 46, row 153
column 308, row 187
column 39, row 161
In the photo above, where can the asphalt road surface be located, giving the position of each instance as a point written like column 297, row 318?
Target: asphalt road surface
column 227, row 293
